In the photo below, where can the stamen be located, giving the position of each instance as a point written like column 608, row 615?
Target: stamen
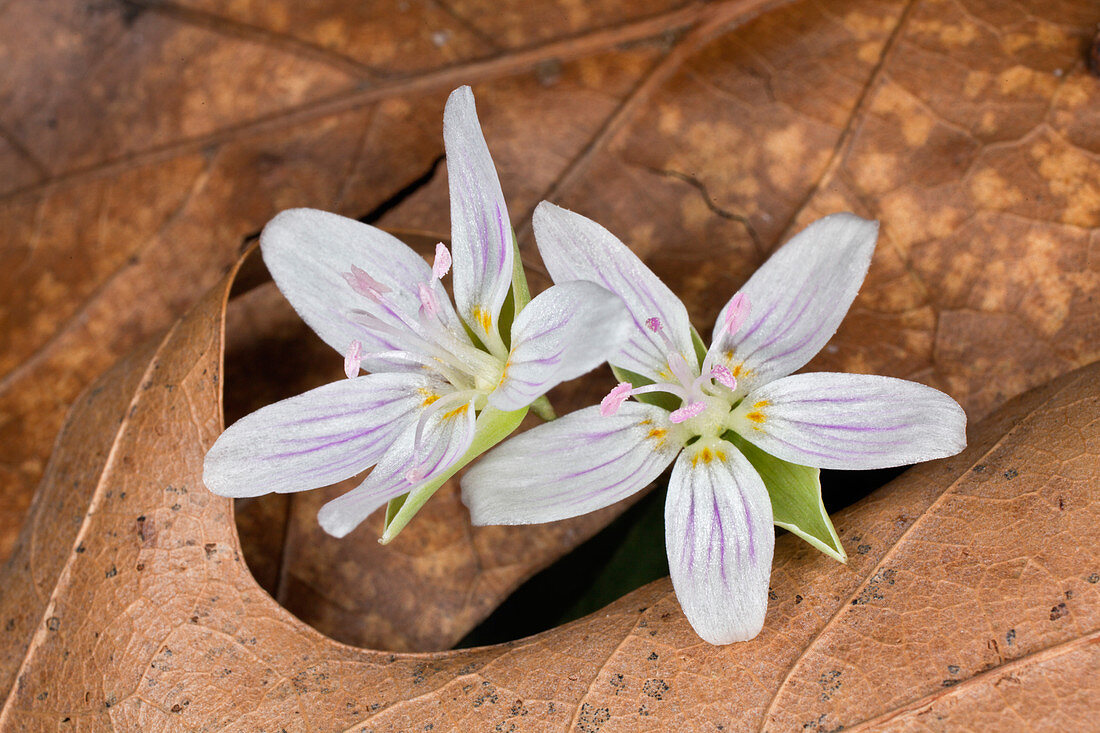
column 442, row 261
column 736, row 313
column 679, row 366
column 429, row 304
column 653, row 324
column 365, row 285
column 687, row 412
column 353, row 359
column 723, row 376
column 610, row 404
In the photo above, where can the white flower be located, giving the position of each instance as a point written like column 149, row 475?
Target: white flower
column 436, row 396
column 718, row 515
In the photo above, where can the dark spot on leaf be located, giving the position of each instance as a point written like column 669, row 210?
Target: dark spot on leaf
column 592, row 718
column 772, row 596
column 42, row 695
column 1011, row 474
column 53, row 623
column 176, row 708
column 830, row 683
column 80, row 548
column 979, row 468
column 873, row 591
column 1010, row 637
column 953, row 668
column 617, row 683
column 949, row 683
column 863, row 549
column 797, row 599
column 1058, row 612
column 211, row 548
column 112, row 572
column 655, row 688
column 1069, row 594
column 652, row 656
column 9, row 625
column 1094, row 578
column 140, row 566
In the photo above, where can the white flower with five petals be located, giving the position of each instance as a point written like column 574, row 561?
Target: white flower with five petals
column 713, row 410
column 443, row 385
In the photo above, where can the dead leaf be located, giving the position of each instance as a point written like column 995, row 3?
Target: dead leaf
column 972, row 594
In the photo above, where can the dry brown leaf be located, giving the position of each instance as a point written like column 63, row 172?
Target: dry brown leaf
column 972, row 599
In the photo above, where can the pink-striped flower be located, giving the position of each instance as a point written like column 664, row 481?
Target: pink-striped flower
column 435, row 396
column 699, row 405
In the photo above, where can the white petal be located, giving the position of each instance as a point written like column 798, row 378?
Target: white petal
column 317, row 438
column 576, row 248
column 309, row 252
column 797, row 300
column 719, row 539
column 481, row 233
column 564, row 332
column 571, row 466
column 851, row 421
column 446, row 436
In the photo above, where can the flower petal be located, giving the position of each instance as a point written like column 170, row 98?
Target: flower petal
column 564, row 332
column 851, row 421
column 797, row 300
column 481, row 233
column 310, row 252
column 719, row 539
column 317, row 438
column 574, row 247
column 571, row 466
column 446, row 436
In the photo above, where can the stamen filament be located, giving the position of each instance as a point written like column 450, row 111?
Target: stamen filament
column 353, row 359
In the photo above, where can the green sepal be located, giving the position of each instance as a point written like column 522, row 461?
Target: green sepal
column 519, row 295
column 492, row 426
column 795, row 492
column 392, row 508
column 542, row 407
column 700, row 346
column 663, row 400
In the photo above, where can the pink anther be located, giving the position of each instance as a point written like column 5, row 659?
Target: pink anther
column 687, row 412
column 429, row 304
column 365, row 285
column 653, row 324
column 736, row 313
column 353, row 359
column 442, row 261
column 723, row 376
column 610, row 404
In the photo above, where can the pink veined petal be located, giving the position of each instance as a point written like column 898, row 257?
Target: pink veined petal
column 317, row 438
column 720, row 540
column 481, row 232
column 576, row 248
column 797, row 300
column 309, row 254
column 571, row 466
column 445, row 439
column 564, row 332
column 851, row 421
